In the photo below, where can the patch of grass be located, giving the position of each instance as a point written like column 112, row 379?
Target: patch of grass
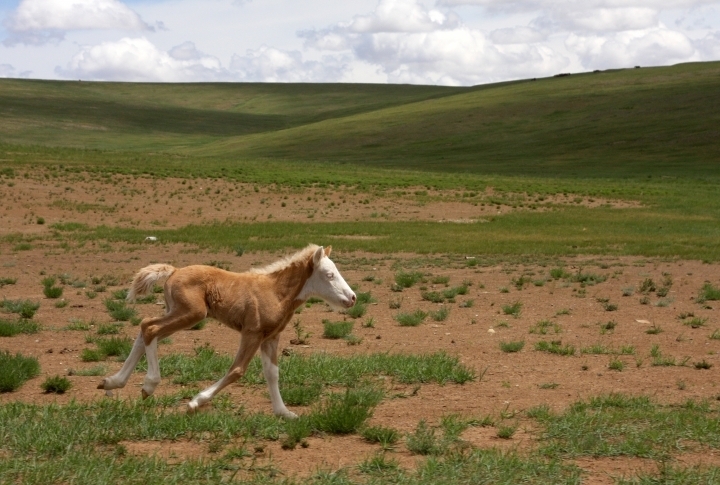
column 506, row 432
column 10, row 328
column 346, row 413
column 336, row 330
column 15, row 370
column 56, row 384
column 379, row 464
column 7, row 281
column 559, row 273
column 92, row 355
column 384, row 436
column 49, row 288
column 365, row 298
column 513, row 309
column 695, row 322
column 542, row 327
column 24, row 308
column 703, row 364
column 613, row 425
column 407, row 279
column 79, row 324
column 423, row 440
column 98, row 370
column 433, row 296
column 616, row 364
column 654, row 330
column 109, row 329
column 357, row 311
column 411, row 319
column 115, row 346
column 119, row 311
column 549, row 385
column 708, row 292
column 647, row 286
column 440, row 315
column 555, row 347
column 301, row 395
column 587, row 279
column 511, row 347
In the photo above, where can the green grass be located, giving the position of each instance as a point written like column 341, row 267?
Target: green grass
column 7, row 281
column 15, row 370
column 621, row 425
column 513, row 309
column 336, row 330
column 512, row 347
column 555, row 347
column 411, row 319
column 382, row 435
column 9, row 328
column 56, row 384
column 24, row 308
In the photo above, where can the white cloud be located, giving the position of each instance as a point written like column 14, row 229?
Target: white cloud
column 709, row 46
column 138, row 60
column 40, row 21
column 269, row 64
column 643, row 47
column 402, row 38
column 517, row 35
column 400, row 16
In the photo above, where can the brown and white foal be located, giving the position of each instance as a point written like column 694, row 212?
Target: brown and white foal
column 258, row 304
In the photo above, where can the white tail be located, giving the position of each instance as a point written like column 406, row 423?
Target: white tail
column 146, row 278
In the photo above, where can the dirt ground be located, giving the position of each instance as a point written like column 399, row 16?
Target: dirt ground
column 508, row 383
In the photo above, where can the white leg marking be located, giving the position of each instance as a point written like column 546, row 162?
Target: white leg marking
column 271, row 372
column 121, row 377
column 152, row 378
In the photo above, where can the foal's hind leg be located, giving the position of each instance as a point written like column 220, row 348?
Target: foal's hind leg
column 268, row 355
column 249, row 343
column 120, row 379
column 153, row 329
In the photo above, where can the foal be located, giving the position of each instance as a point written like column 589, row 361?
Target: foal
column 258, row 304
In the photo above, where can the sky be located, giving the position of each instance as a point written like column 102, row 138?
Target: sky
column 439, row 42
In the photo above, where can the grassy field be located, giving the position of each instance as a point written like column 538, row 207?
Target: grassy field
column 647, row 137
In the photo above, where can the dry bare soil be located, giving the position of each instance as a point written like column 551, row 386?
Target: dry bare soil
column 614, row 314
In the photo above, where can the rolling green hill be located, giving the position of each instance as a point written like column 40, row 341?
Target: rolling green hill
column 650, row 121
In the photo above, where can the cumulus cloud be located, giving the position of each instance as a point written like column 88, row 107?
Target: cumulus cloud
column 8, row 70
column 138, row 60
column 269, row 64
column 413, row 44
column 643, row 47
column 40, row 21
column 709, row 46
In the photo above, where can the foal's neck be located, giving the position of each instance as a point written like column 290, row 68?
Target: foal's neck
column 290, row 280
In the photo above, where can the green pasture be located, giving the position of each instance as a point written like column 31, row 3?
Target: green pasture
column 645, row 136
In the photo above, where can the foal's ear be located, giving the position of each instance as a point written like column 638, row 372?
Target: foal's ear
column 319, row 254
column 328, row 250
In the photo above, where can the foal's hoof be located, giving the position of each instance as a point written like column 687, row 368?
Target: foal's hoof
column 192, row 407
column 102, row 384
column 144, row 393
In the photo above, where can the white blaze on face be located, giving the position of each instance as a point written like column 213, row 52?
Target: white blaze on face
column 327, row 283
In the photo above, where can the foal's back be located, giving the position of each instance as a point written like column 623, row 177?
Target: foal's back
column 239, row 300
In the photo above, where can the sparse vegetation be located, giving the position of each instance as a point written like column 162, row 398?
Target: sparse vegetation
column 15, row 370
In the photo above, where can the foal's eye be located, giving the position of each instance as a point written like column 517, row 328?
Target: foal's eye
column 330, row 276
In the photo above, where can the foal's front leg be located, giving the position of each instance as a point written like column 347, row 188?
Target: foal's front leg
column 268, row 355
column 249, row 343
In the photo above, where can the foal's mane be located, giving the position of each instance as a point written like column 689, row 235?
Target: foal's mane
column 301, row 256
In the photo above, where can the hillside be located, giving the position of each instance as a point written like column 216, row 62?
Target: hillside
column 642, row 122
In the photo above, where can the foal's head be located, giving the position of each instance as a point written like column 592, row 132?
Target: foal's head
column 327, row 283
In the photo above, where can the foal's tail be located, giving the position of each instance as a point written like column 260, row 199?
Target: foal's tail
column 146, row 278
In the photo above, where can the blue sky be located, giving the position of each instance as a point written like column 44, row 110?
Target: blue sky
column 449, row 42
